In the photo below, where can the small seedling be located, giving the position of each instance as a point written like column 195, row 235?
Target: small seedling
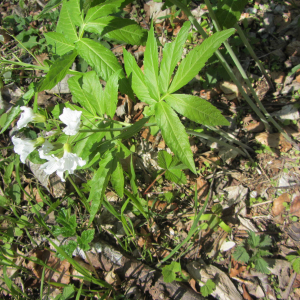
column 253, row 250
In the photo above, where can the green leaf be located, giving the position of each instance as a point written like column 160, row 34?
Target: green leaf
column 107, row 8
column 92, row 86
column 86, row 237
column 240, row 254
column 137, row 78
column 295, row 260
column 174, row 134
column 171, row 55
column 253, row 240
column 261, row 265
column 133, row 129
column 151, row 65
column 65, row 23
column 196, row 109
column 176, row 176
column 58, row 43
column 229, row 12
column 8, row 171
column 196, row 59
column 79, row 95
column 68, row 248
column 123, row 30
column 164, row 159
column 117, row 178
column 49, row 6
column 169, row 272
column 75, row 11
column 103, row 61
column 111, row 94
column 58, row 71
column 99, row 184
column 208, row 288
column 265, row 241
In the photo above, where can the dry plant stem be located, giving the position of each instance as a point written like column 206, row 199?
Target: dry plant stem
column 245, row 77
column 148, row 188
column 252, row 53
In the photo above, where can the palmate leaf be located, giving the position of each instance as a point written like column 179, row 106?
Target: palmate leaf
column 99, row 184
column 176, row 176
column 151, row 65
column 169, row 272
column 86, row 237
column 58, row 43
column 196, row 109
column 66, row 24
column 124, row 30
column 229, row 12
column 253, row 239
column 103, row 62
column 174, row 134
column 137, row 78
column 295, row 261
column 197, row 58
column 57, row 71
column 171, row 55
column 208, row 288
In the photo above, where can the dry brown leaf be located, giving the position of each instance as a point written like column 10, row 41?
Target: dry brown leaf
column 295, row 207
column 144, row 240
column 237, row 270
column 245, row 293
column 193, row 284
column 202, row 187
column 278, row 207
column 230, row 90
column 34, row 194
column 158, row 205
column 255, row 127
column 62, row 274
column 278, row 77
column 112, row 278
column 273, row 140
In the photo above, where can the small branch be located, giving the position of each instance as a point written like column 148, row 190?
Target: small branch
column 154, row 182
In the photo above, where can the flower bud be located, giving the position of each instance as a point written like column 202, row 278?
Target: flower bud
column 39, row 118
column 39, row 141
column 67, row 148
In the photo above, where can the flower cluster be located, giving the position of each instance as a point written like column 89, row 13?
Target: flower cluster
column 69, row 161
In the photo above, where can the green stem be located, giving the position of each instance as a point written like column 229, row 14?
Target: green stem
column 245, row 77
column 82, row 197
column 252, row 53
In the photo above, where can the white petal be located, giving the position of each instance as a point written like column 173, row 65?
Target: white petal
column 72, row 119
column 26, row 116
column 23, row 147
column 227, row 246
column 45, row 149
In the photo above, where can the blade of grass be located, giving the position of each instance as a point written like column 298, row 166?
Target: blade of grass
column 245, row 77
column 193, row 229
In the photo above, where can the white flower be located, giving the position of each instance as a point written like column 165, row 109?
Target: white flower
column 29, row 116
column 72, row 119
column 23, row 147
column 68, row 162
column 45, row 149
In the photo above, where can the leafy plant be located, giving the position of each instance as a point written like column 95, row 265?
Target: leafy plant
column 253, row 250
column 207, row 288
column 295, row 261
column 171, row 272
column 154, row 88
column 172, row 167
